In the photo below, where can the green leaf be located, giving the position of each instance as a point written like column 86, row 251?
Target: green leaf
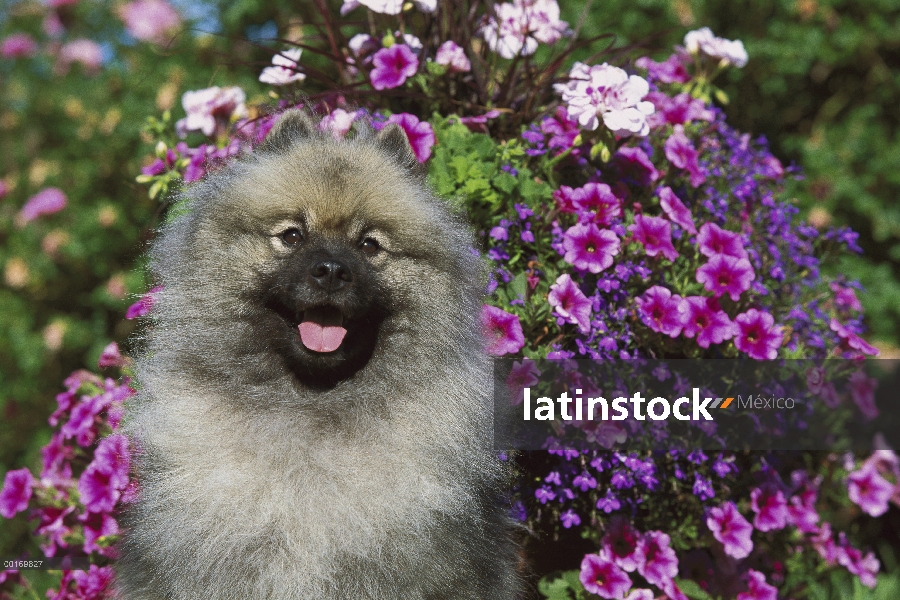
column 692, row 589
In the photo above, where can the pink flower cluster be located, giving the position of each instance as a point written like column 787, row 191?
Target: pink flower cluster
column 607, row 93
column 516, row 28
column 211, row 110
column 702, row 41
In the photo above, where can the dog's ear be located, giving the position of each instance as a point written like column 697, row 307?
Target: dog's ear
column 392, row 140
column 292, row 126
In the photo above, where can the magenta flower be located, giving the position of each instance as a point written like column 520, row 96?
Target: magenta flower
column 502, row 331
column 770, row 507
column 802, row 512
column 655, row 234
column 634, row 165
column 46, row 202
column 566, row 198
column 524, row 373
column 102, row 482
column 845, row 297
column 589, row 248
column 758, row 589
column 84, row 51
column 621, row 543
column 679, row 110
column 661, row 311
column 726, row 274
column 419, row 133
column 671, row 70
column 18, row 45
column 111, row 357
column 732, row 529
column 862, row 391
column 757, row 334
column 715, row 240
column 150, row 20
column 339, row 122
column 599, row 575
column 597, row 202
column 393, row 66
column 657, row 562
column 869, row 490
column 97, row 525
column 142, row 307
column 93, row 583
column 453, row 56
column 570, row 303
column 852, row 340
column 675, row 209
column 16, row 492
column 707, row 321
column 681, row 153
column 865, row 567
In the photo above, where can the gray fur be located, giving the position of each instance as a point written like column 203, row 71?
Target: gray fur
column 256, row 484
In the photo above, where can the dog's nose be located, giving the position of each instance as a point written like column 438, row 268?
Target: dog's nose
column 331, row 275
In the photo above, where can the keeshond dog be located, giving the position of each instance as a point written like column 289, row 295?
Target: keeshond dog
column 313, row 417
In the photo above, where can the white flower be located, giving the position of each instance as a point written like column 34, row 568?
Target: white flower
column 414, row 43
column 210, row 107
column 452, row 55
column 608, row 93
column 515, row 29
column 387, row 7
column 284, row 69
column 730, row 52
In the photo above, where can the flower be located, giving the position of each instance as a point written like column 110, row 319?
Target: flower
column 516, row 28
column 18, row 45
column 46, row 202
column 852, row 340
column 393, row 66
column 731, row 529
column 770, row 507
column 862, row 391
column 570, row 519
column 681, row 153
column 338, row 122
column 634, row 165
column 150, row 20
column 570, row 303
column 596, row 202
column 725, row 273
column 453, row 56
column 211, row 109
column 84, row 51
column 707, row 321
column 386, row 7
column 621, row 543
column 589, row 248
column 714, row 240
column 104, row 479
column 757, row 334
column 502, row 330
column 703, row 41
column 609, row 93
column 16, row 492
column 142, row 307
column 675, row 209
column 419, row 133
column 869, row 490
column 758, row 589
column 599, row 575
column 657, row 562
column 845, row 297
column 655, row 234
column 524, row 373
column 671, row 70
column 111, row 357
column 284, row 68
column 661, row 311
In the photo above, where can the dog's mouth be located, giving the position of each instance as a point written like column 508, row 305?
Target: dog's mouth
column 322, row 329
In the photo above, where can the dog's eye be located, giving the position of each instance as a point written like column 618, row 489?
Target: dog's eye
column 292, row 236
column 369, row 246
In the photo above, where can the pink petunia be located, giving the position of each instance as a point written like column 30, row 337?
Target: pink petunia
column 757, row 334
column 589, row 248
column 634, row 165
column 111, row 357
column 569, row 303
column 453, row 56
column 852, row 340
column 393, row 66
column 502, row 331
column 621, row 543
column 46, row 202
column 596, row 202
column 862, row 391
column 757, row 588
column 84, row 51
column 657, row 562
column 600, row 575
column 770, row 506
column 681, row 153
column 863, row 566
column 18, row 45
column 707, row 321
column 675, row 209
column 714, row 240
column 142, row 307
column 284, row 69
column 524, row 373
column 419, row 133
column 726, row 274
column 731, row 529
column 869, row 490
column 662, row 311
column 16, row 492
column 655, row 234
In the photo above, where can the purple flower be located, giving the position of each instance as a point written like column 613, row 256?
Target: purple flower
column 671, row 70
column 661, row 311
column 714, row 240
column 97, row 525
column 757, row 334
column 570, row 519
column 589, row 248
column 523, row 374
column 102, row 482
column 419, row 133
column 584, row 482
column 595, row 201
column 544, row 494
column 862, row 391
column 758, row 589
column 393, row 66
column 18, row 45
column 561, row 128
column 679, row 110
column 869, row 490
column 621, row 543
column 675, row 209
column 566, row 197
column 703, row 488
column 726, row 274
column 864, row 567
column 731, row 529
column 16, row 492
column 46, row 202
column 852, row 340
column 142, row 307
column 570, row 303
column 707, row 321
column 93, row 583
column 609, row 503
column 770, row 507
column 599, row 575
column 845, row 297
column 634, row 165
column 453, row 56
column 502, row 331
column 655, row 234
column 150, row 20
column 681, row 153
column 657, row 562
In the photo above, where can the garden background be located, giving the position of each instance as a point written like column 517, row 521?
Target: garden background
column 822, row 84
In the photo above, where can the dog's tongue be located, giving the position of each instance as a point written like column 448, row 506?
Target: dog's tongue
column 321, row 329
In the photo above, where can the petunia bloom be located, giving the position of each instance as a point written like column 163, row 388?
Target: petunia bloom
column 657, row 562
column 393, row 66
column 502, row 330
column 702, row 41
column 516, row 28
column 757, row 334
column 635, row 166
column 621, row 543
column 655, row 234
column 150, row 20
column 596, row 202
column 211, row 109
column 84, row 51
column 731, row 529
column 707, row 321
column 284, row 68
column 661, row 311
column 599, row 575
column 715, row 240
column 589, row 248
column 419, row 133
column 453, row 56
column 770, row 506
column 46, row 202
column 570, row 303
column 18, row 45
column 869, row 490
column 726, row 274
column 16, row 492
column 681, row 153
column 757, row 588
column 675, row 209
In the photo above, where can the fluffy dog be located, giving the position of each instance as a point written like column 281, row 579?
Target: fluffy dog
column 313, row 418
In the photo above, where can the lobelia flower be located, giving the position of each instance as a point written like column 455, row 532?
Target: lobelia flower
column 757, row 588
column 703, row 41
column 46, row 202
column 284, row 68
column 150, row 20
column 589, row 248
column 655, row 234
column 707, row 321
column 514, row 29
column 18, row 45
column 596, row 202
column 620, row 543
column 599, row 575
column 661, row 311
column 570, row 519
column 731, row 529
column 714, row 240
column 211, row 109
column 862, row 391
column 681, row 153
column 453, row 56
column 869, row 490
column 393, row 66
column 757, row 334
column 675, row 209
column 607, row 92
column 726, row 274
column 84, row 51
column 770, row 506
column 657, row 562
column 845, row 297
column 419, row 133
column 502, row 331
column 16, row 492
column 569, row 303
